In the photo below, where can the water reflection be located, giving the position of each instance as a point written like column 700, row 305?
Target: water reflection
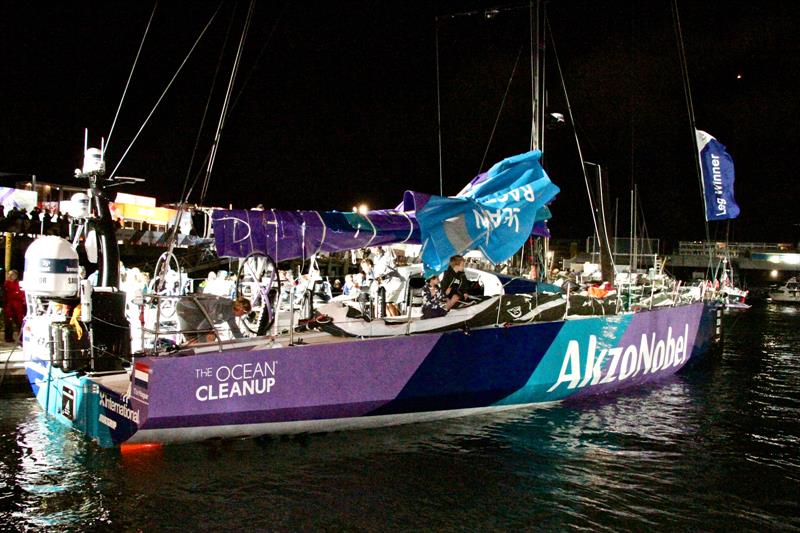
column 716, row 447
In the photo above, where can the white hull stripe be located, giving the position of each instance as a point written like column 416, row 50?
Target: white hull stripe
column 312, row 426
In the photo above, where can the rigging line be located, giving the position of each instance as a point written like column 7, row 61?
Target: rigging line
column 541, row 70
column 184, row 198
column 182, row 201
column 130, row 76
column 236, row 100
column 324, row 233
column 223, row 114
column 439, row 109
column 645, row 234
column 572, row 120
column 687, row 92
column 489, row 13
column 197, row 175
column 534, row 95
column 160, row 98
column 258, row 58
column 500, row 111
column 605, row 224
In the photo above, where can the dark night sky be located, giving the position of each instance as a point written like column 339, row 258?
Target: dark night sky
column 340, row 103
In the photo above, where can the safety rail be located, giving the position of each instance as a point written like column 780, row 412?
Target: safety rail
column 160, row 306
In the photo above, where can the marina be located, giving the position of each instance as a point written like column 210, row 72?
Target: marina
column 236, row 306
column 714, row 446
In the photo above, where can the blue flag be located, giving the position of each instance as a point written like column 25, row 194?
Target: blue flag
column 495, row 216
column 716, row 167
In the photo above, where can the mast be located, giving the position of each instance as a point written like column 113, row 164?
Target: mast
column 687, row 92
column 604, row 246
column 536, row 78
column 537, row 113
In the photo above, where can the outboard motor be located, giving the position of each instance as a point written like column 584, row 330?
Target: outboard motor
column 52, row 289
column 69, row 322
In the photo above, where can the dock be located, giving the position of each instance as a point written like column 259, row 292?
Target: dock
column 12, row 369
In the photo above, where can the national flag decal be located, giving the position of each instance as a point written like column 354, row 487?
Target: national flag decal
column 141, row 375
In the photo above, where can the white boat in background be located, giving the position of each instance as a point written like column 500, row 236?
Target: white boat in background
column 734, row 298
column 724, row 287
column 787, row 293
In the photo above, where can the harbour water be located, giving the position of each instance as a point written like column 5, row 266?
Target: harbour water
column 714, row 448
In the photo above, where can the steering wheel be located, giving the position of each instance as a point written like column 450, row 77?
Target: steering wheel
column 263, row 270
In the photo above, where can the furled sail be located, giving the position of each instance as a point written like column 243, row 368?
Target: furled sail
column 495, row 216
column 716, row 168
column 285, row 235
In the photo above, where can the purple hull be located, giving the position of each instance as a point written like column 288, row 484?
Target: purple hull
column 311, row 387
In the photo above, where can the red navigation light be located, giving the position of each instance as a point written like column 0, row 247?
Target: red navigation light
column 143, row 447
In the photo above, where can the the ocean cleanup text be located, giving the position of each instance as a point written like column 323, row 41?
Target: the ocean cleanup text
column 239, row 380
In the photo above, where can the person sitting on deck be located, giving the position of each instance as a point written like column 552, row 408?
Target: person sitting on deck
column 434, row 303
column 368, row 275
column 349, row 285
column 195, row 324
column 454, row 282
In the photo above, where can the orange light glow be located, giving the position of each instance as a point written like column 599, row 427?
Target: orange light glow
column 140, row 447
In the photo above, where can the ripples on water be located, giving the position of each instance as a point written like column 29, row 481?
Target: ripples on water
column 714, row 448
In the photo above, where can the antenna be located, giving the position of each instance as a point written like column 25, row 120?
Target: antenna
column 85, row 139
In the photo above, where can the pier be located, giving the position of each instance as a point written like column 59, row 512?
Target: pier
column 759, row 263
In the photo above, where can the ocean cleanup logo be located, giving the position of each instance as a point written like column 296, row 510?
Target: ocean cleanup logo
column 649, row 356
column 243, row 379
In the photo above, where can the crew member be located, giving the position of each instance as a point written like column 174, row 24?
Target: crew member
column 195, row 324
column 434, row 303
column 454, row 282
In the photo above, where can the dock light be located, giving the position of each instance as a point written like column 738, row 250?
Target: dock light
column 773, row 274
column 363, row 209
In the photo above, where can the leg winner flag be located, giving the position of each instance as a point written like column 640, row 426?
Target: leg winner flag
column 716, row 167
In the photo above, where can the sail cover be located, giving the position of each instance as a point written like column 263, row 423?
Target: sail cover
column 716, row 168
column 496, row 215
column 285, row 235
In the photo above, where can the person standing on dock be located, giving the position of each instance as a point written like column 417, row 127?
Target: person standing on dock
column 14, row 308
